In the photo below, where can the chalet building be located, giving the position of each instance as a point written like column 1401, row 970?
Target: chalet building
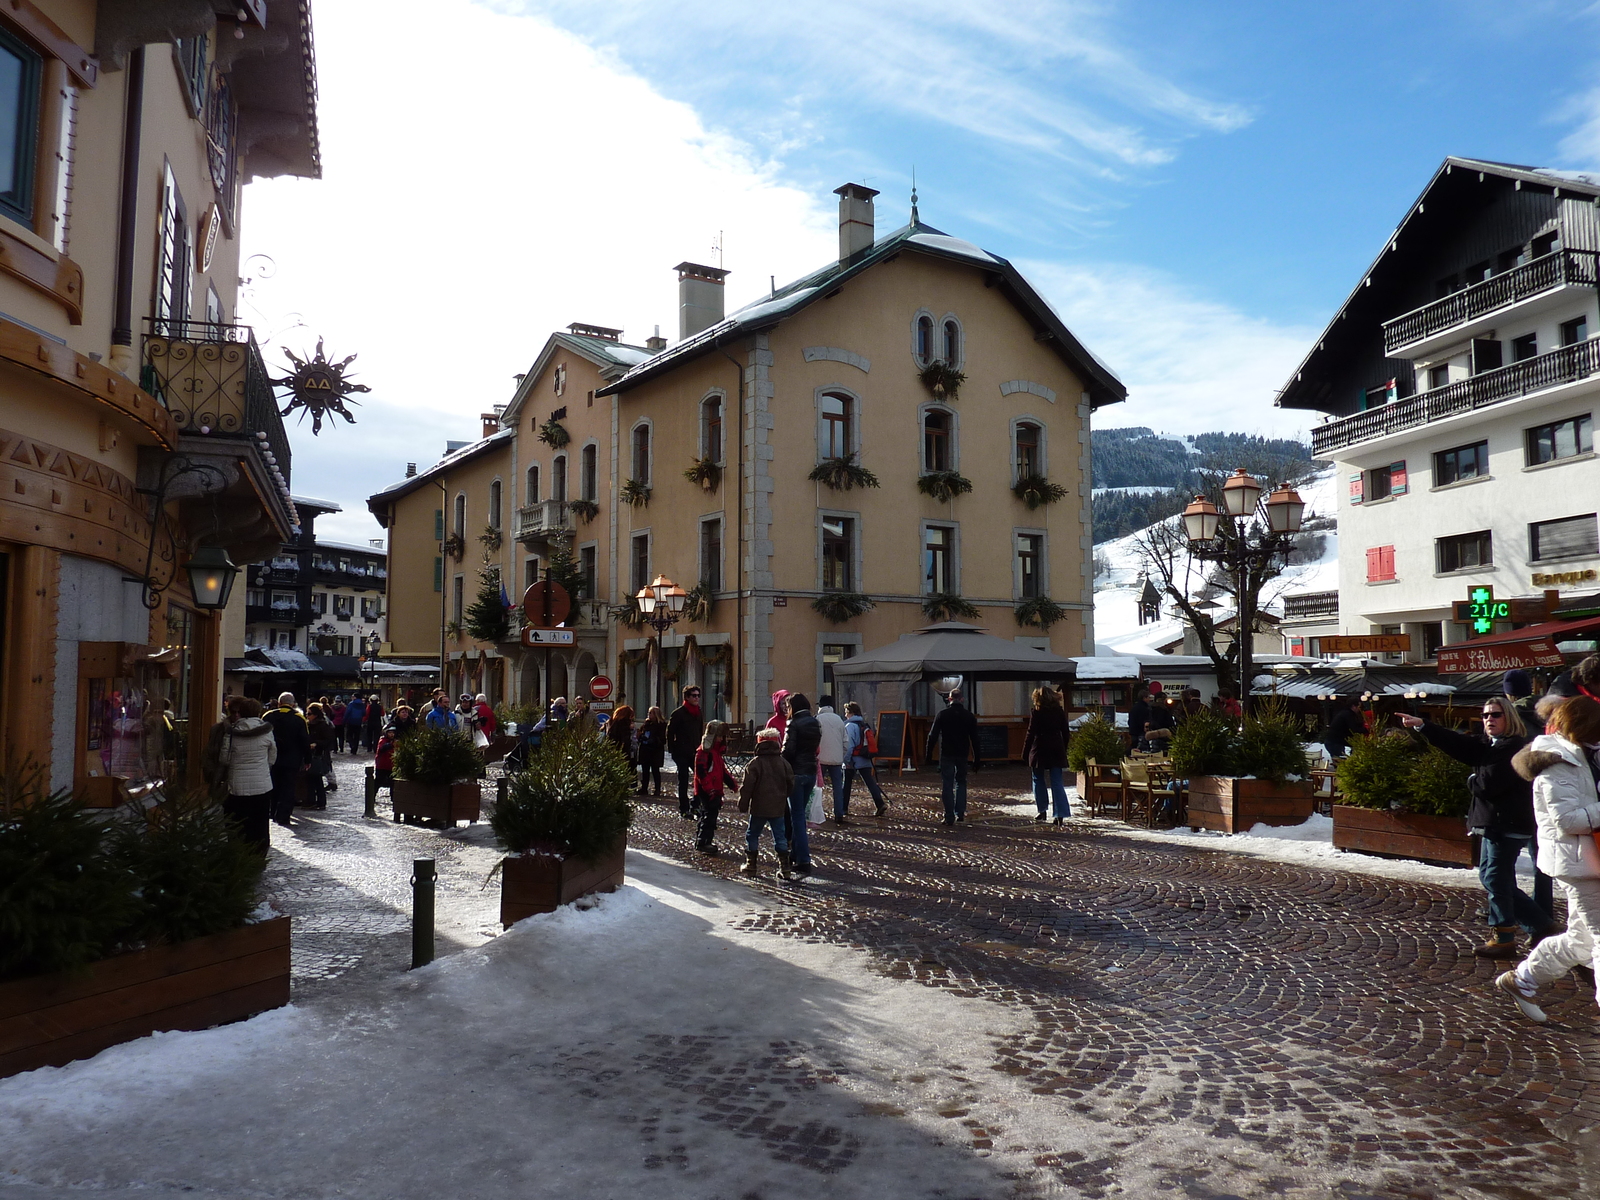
column 902, row 434
column 1460, row 382
column 139, row 436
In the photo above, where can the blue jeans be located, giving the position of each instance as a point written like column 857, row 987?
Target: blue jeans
column 834, row 774
column 799, row 801
column 869, row 777
column 1058, row 791
column 953, row 787
column 1509, row 904
column 752, row 836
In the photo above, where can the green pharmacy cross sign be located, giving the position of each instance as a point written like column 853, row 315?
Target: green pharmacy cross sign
column 1483, row 610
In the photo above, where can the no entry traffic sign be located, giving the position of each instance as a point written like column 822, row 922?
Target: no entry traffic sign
column 600, row 687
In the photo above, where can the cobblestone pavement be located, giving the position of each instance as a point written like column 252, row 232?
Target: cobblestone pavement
column 1319, row 1018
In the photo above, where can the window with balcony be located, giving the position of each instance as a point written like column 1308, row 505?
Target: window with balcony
column 255, row 598
column 20, row 73
column 1030, row 565
column 174, row 265
column 589, row 468
column 1439, row 376
column 1525, row 347
column 1545, row 243
column 936, row 448
column 1570, row 537
column 1027, row 456
column 1575, row 331
column 839, row 553
column 938, row 558
column 1476, row 273
column 1462, row 462
column 1465, row 551
column 837, row 419
column 589, row 572
column 641, row 454
column 711, row 553
column 558, row 478
column 711, row 429
column 530, row 485
column 1380, row 564
column 1559, row 439
column 283, row 601
column 639, row 562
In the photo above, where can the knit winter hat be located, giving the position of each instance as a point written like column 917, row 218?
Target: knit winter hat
column 1517, row 684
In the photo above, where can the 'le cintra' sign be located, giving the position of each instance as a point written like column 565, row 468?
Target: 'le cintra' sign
column 1464, row 656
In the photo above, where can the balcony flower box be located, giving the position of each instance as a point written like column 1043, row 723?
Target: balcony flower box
column 541, row 881
column 1404, row 835
column 439, row 803
column 51, row 1020
column 1234, row 804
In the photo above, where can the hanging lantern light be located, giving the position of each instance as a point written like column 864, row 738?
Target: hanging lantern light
column 1240, row 493
column 647, row 600
column 211, row 576
column 1284, row 509
column 1200, row 520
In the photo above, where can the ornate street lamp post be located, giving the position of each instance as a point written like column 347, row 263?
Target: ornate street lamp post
column 662, row 604
column 1249, row 538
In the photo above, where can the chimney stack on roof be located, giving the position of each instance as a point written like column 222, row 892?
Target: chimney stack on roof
column 855, row 221
column 411, row 469
column 491, row 423
column 700, row 297
column 655, row 343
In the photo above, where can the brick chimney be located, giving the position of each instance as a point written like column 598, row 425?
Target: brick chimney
column 411, row 470
column 655, row 343
column 700, row 297
column 491, row 423
column 855, row 221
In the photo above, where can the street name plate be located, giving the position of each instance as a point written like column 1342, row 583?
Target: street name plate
column 548, row 637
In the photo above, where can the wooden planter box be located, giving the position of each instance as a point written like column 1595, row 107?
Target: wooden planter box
column 1404, row 835
column 541, row 883
column 445, row 803
column 50, row 1020
column 1230, row 805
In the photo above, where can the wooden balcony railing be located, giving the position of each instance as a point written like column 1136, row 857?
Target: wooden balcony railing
column 1543, row 274
column 1504, row 383
column 1310, row 604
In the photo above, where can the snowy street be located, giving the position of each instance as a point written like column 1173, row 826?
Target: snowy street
column 1003, row 1010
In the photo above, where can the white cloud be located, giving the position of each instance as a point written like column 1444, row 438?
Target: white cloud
column 1192, row 365
column 1581, row 147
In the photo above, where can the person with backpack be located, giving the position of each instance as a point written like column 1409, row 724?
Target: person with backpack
column 711, row 781
column 652, row 752
column 861, row 749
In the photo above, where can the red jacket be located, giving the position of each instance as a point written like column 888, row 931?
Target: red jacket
column 383, row 760
column 711, row 774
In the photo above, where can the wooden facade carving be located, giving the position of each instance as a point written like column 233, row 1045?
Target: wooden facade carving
column 55, row 498
column 100, row 383
column 59, row 278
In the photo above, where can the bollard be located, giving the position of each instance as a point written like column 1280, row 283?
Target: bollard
column 372, row 793
column 422, row 881
column 500, row 789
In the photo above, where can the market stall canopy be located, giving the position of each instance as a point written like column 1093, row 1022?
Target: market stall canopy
column 1530, row 646
column 1354, row 678
column 952, row 648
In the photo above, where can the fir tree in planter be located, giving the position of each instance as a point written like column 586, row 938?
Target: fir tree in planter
column 1226, row 792
column 436, row 775
column 1203, row 745
column 1036, row 491
column 563, row 824
column 946, row 606
column 1096, row 738
column 554, row 434
column 842, row 474
column 487, row 619
column 839, row 607
column 1041, row 612
column 635, row 493
column 1375, row 774
column 1269, row 745
column 943, row 486
column 943, row 380
column 584, row 510
column 706, row 473
column 1402, row 798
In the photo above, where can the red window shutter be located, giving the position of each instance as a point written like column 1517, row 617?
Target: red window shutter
column 1385, row 562
column 1373, row 567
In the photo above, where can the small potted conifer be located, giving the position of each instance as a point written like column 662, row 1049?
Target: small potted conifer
column 1238, row 779
column 436, row 775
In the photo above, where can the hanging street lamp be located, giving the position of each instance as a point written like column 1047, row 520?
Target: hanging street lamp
column 211, row 575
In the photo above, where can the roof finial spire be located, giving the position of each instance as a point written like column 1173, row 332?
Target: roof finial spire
column 914, row 220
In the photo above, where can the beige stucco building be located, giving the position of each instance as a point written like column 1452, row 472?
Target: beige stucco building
column 137, row 428
column 833, row 375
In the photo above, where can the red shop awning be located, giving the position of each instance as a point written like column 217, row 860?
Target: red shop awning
column 1533, row 646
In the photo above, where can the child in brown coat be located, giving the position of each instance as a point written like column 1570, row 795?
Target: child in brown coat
column 764, row 794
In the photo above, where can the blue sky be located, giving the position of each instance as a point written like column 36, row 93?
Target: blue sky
column 1195, row 187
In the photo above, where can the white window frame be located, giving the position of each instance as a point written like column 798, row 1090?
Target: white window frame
column 538, row 469
column 933, row 347
column 497, row 508
column 589, row 443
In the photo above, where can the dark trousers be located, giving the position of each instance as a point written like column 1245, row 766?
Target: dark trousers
column 250, row 816
column 953, row 787
column 706, row 809
column 647, row 771
column 352, row 738
column 283, row 789
column 1508, row 904
column 685, row 779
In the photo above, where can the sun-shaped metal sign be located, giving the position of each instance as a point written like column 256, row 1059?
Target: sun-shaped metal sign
column 319, row 387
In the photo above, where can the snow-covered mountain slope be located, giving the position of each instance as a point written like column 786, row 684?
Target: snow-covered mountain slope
column 1119, row 579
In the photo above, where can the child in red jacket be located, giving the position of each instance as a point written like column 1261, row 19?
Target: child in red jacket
column 711, row 779
column 383, row 761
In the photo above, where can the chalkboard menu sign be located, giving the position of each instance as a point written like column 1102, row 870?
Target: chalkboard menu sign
column 892, row 736
column 994, row 742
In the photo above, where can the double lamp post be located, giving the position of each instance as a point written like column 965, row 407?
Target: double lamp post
column 662, row 603
column 1250, row 538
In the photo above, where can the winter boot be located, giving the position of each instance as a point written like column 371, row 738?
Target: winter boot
column 1502, row 943
column 752, row 865
column 783, row 865
column 1507, row 983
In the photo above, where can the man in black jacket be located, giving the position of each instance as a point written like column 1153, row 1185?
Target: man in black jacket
column 801, row 738
column 1346, row 723
column 1502, row 812
column 685, row 727
column 294, row 753
column 954, row 736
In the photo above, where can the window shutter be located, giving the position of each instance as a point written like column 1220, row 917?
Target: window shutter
column 1373, row 567
column 438, row 524
column 1355, row 488
column 1386, row 562
column 438, row 574
column 1397, row 479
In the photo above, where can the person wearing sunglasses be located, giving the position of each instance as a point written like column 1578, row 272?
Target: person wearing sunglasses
column 1501, row 813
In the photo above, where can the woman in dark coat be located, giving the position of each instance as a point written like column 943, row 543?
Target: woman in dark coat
column 323, row 739
column 1502, row 811
column 1045, row 750
column 652, row 750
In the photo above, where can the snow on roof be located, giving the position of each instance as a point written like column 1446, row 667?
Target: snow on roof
column 356, row 547
column 471, row 450
column 313, row 502
column 952, row 245
column 1107, row 668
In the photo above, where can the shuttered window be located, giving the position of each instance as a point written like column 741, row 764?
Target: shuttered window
column 1380, row 563
column 1570, row 537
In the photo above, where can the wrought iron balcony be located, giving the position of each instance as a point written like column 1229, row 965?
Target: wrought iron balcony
column 1310, row 604
column 542, row 521
column 1531, row 375
column 213, row 381
column 1562, row 268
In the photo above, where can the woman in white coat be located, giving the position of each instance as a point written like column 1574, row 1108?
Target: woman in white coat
column 248, row 751
column 1566, row 806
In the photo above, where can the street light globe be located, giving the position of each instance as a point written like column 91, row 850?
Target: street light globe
column 676, row 599
column 647, row 600
column 1200, row 520
column 1240, row 493
column 661, row 585
column 1284, row 509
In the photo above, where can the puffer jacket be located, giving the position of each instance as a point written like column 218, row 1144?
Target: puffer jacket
column 801, row 740
column 249, row 750
column 830, row 751
column 768, row 780
column 1564, row 804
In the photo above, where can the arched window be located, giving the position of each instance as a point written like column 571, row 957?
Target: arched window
column 711, row 428
column 641, row 453
column 589, row 469
column 936, row 440
column 558, row 478
column 459, row 525
column 494, row 504
column 1028, row 459
column 531, row 486
column 952, row 343
column 925, row 339
column 836, row 431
